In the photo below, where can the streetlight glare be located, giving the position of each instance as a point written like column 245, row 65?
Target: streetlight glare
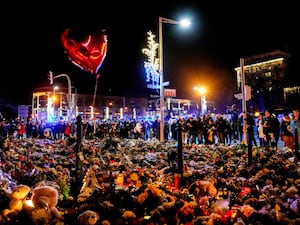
column 185, row 22
column 203, row 102
column 202, row 90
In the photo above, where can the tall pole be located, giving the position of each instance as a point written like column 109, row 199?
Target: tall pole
column 69, row 96
column 203, row 107
column 79, row 172
column 161, row 81
column 54, row 103
column 244, row 104
column 162, row 20
column 201, row 103
column 93, row 103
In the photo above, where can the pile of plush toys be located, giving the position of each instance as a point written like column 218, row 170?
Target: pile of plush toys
column 39, row 203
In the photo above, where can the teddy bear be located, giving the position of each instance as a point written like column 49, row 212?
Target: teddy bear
column 44, row 201
column 88, row 217
column 17, row 199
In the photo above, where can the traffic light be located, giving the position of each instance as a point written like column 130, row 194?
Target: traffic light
column 50, row 77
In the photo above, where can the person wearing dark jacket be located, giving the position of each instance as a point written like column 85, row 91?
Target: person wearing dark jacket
column 286, row 132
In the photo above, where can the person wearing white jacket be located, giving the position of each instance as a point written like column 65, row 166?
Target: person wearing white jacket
column 260, row 130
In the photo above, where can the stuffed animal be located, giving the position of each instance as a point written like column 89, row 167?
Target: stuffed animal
column 88, row 217
column 44, row 201
column 17, row 198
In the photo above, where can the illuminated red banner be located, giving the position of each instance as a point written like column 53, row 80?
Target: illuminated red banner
column 170, row 92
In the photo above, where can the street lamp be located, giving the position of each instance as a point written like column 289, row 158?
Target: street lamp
column 202, row 91
column 162, row 20
column 55, row 88
column 69, row 96
column 54, row 99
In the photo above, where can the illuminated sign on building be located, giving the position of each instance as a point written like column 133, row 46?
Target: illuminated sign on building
column 170, row 92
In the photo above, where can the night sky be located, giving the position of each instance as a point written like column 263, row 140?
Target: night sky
column 203, row 55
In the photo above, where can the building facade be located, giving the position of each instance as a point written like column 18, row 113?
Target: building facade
column 266, row 74
column 50, row 105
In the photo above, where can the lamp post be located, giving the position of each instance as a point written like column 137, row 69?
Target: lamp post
column 202, row 91
column 69, row 96
column 162, row 20
column 54, row 89
column 54, row 99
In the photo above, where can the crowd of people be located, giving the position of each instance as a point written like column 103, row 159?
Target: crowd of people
column 265, row 130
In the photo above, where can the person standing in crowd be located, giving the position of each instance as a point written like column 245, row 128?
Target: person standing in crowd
column 228, row 130
column 295, row 124
column 156, row 128
column 147, row 129
column 260, row 130
column 127, row 128
column 269, row 129
column 206, row 126
column 276, row 128
column 67, row 130
column 60, row 127
column 21, row 129
column 42, row 127
column 240, row 125
column 286, row 133
column 173, row 128
column 211, row 131
column 200, row 130
column 32, row 130
column 138, row 130
column 234, row 121
column 221, row 126
column 184, row 130
column 250, row 128
column 192, row 130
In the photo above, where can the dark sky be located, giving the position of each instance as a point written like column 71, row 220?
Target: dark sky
column 206, row 54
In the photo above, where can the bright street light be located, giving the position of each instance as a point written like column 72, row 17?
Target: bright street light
column 54, row 89
column 69, row 96
column 54, row 98
column 162, row 20
column 202, row 92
